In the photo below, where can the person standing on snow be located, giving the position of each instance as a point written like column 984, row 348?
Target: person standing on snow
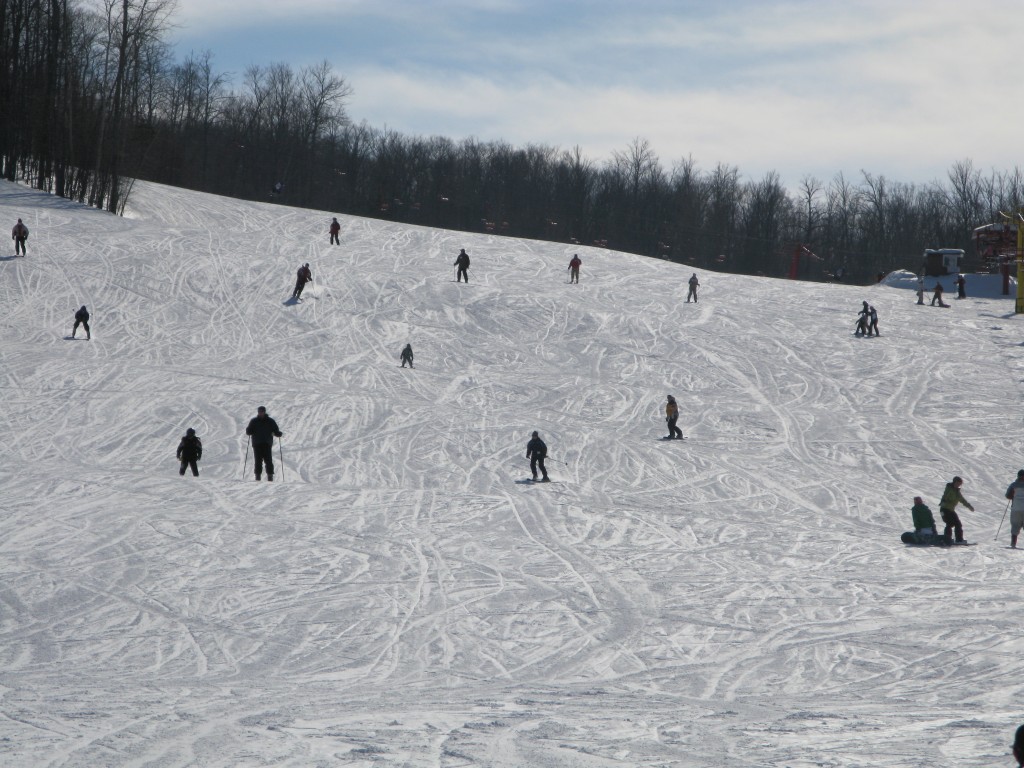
column 335, row 229
column 961, row 287
column 190, row 450
column 693, row 289
column 1015, row 492
column 951, row 496
column 81, row 318
column 19, row 235
column 536, row 452
column 873, row 322
column 302, row 277
column 574, row 269
column 920, row 290
column 937, row 296
column 407, row 355
column 671, row 416
column 462, row 262
column 263, row 429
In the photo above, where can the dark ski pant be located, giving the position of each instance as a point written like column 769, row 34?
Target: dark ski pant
column 185, row 464
column 334, row 239
column 407, row 360
column 85, row 325
column 299, row 285
column 19, row 245
column 263, row 453
column 953, row 525
column 574, row 275
column 673, row 430
column 693, row 294
column 537, row 462
column 462, row 273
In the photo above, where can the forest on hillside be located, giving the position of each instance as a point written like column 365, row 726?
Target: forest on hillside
column 95, row 98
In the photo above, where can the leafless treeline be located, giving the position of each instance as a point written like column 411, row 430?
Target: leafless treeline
column 93, row 98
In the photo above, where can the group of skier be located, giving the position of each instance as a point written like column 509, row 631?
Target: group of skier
column 926, row 530
column 262, row 430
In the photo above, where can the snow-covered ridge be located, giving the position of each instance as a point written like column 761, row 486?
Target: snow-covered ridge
column 402, row 597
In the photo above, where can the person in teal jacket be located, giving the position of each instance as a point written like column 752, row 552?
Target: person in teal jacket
column 924, row 521
column 947, row 508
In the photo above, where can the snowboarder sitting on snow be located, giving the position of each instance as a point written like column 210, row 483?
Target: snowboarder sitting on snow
column 536, row 452
column 303, row 276
column 335, row 229
column 81, row 318
column 1016, row 507
column 190, row 450
column 263, row 429
column 951, row 496
column 462, row 262
column 407, row 355
column 574, row 268
column 924, row 521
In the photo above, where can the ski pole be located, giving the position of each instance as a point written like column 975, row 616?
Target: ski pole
column 280, row 454
column 1001, row 521
column 246, row 459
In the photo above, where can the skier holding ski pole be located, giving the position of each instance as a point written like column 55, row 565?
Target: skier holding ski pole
column 263, row 429
column 1016, row 506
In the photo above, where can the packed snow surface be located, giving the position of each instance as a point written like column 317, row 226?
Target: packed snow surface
column 400, row 595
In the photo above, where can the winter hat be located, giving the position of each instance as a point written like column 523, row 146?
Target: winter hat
column 190, row 431
column 918, row 500
column 1020, row 473
column 261, row 409
column 535, row 434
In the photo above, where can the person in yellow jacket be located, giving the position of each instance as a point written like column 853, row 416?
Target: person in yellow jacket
column 951, row 496
column 671, row 416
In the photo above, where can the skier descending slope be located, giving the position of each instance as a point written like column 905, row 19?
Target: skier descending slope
column 536, row 452
column 81, row 318
column 462, row 262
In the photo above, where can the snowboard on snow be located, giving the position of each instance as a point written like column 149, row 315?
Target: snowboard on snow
column 931, row 540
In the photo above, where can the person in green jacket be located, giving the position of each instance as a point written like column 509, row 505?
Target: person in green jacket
column 947, row 507
column 924, row 521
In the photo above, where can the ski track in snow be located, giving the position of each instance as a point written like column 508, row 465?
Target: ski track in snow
column 397, row 597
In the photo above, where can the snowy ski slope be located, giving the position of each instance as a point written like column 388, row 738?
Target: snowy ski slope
column 399, row 596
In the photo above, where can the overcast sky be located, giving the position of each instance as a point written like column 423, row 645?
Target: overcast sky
column 900, row 88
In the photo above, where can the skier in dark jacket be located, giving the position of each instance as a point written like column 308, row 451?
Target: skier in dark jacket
column 335, row 229
column 574, row 268
column 694, row 284
column 302, row 277
column 19, row 235
column 536, row 452
column 407, row 355
column 951, row 496
column 81, row 318
column 1015, row 493
column 937, row 296
column 873, row 322
column 190, row 450
column 961, row 287
column 462, row 262
column 263, row 429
